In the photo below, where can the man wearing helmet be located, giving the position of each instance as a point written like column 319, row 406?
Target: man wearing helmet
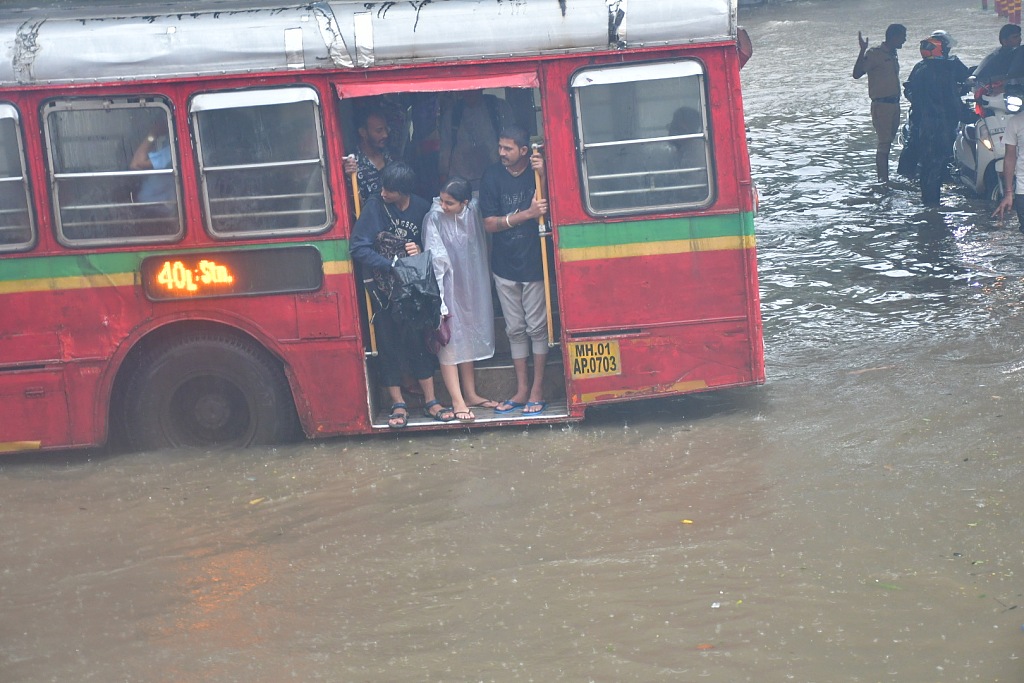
column 882, row 67
column 934, row 88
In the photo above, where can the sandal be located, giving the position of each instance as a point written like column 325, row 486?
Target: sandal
column 486, row 403
column 465, row 416
column 442, row 414
column 398, row 420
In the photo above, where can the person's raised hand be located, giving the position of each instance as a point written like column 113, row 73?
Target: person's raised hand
column 862, row 41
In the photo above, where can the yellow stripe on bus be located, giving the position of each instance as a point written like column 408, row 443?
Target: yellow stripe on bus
column 337, row 267
column 729, row 242
column 74, row 282
column 14, row 446
column 639, row 392
column 54, row 284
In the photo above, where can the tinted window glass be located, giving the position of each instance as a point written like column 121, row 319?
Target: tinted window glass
column 113, row 171
column 643, row 132
column 16, row 227
column 262, row 165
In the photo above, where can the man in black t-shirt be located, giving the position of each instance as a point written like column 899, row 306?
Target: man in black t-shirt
column 398, row 211
column 511, row 210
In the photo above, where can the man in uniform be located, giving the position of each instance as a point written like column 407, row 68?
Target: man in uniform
column 882, row 66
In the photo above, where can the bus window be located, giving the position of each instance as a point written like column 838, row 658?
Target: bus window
column 643, row 132
column 16, row 227
column 99, row 195
column 261, row 162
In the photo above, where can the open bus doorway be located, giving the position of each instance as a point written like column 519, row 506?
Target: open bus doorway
column 443, row 134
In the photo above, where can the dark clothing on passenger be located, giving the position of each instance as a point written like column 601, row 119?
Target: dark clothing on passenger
column 377, row 216
column 368, row 175
column 515, row 252
column 398, row 347
column 934, row 89
column 995, row 66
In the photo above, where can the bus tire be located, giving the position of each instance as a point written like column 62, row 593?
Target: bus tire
column 208, row 390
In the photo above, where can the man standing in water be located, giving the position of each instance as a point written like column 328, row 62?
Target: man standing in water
column 882, row 66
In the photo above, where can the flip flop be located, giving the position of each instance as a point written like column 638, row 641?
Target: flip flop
column 402, row 418
column 512, row 405
column 534, row 404
column 465, row 416
column 442, row 415
column 486, row 403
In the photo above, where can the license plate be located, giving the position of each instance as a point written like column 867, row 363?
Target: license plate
column 595, row 359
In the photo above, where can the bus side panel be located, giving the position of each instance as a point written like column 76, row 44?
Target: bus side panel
column 673, row 335
column 333, row 399
column 670, row 360
column 627, row 284
column 34, row 408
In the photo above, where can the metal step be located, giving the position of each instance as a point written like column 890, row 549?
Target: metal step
column 556, row 410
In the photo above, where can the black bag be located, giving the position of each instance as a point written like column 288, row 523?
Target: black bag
column 416, row 298
column 388, row 245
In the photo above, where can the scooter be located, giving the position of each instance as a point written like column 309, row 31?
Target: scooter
column 978, row 149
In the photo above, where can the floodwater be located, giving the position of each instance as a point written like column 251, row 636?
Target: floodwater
column 858, row 518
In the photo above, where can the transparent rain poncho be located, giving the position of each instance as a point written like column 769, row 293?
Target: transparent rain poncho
column 459, row 247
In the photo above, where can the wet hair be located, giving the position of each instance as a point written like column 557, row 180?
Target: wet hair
column 516, row 134
column 894, row 31
column 1008, row 31
column 398, row 176
column 363, row 117
column 458, row 188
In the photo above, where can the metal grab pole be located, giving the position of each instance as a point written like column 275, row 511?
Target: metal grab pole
column 542, row 229
column 369, row 302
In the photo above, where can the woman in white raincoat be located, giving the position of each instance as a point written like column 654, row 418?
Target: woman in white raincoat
column 454, row 233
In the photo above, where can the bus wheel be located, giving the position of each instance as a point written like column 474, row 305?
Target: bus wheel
column 208, row 390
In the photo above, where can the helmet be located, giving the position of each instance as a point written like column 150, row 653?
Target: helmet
column 931, row 48
column 947, row 40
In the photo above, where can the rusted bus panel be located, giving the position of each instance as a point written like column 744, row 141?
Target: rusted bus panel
column 133, row 41
column 672, row 360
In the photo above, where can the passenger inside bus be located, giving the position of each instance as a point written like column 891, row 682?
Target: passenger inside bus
column 454, row 234
column 396, row 212
column 372, row 154
column 469, row 129
column 511, row 211
column 156, row 195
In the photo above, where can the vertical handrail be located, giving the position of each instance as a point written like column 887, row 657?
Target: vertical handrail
column 542, row 230
column 369, row 301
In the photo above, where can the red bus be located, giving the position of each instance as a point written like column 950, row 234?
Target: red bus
column 212, row 301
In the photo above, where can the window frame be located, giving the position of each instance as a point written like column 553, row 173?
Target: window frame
column 94, row 103
column 238, row 99
column 611, row 74
column 9, row 111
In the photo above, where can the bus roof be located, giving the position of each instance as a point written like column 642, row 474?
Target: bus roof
column 104, row 41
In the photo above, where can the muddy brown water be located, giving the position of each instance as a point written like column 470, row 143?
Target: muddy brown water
column 858, row 518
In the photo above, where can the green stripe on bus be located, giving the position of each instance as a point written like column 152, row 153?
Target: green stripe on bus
column 83, row 265
column 591, row 235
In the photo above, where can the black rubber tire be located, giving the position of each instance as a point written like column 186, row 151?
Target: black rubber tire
column 208, row 390
column 993, row 185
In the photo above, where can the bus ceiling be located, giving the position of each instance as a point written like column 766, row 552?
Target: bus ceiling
column 129, row 41
column 525, row 79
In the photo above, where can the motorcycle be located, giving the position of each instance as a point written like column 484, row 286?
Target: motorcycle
column 978, row 150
